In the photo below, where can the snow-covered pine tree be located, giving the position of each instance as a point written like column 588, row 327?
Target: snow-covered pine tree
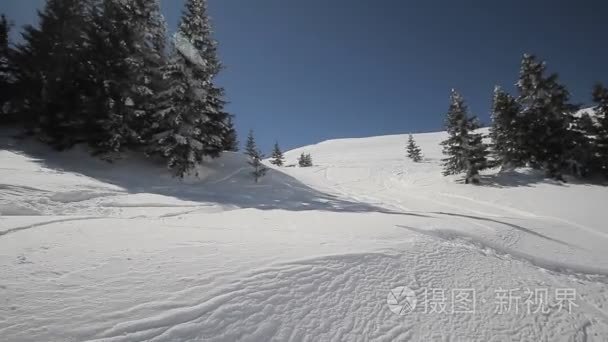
column 250, row 147
column 192, row 124
column 6, row 72
column 308, row 160
column 277, row 155
column 464, row 148
column 544, row 119
column 148, row 90
column 305, row 160
column 50, row 76
column 126, row 54
column 477, row 152
column 456, row 126
column 600, row 144
column 229, row 140
column 107, row 55
column 196, row 28
column 504, row 132
column 259, row 170
column 255, row 157
column 413, row 150
column 302, row 160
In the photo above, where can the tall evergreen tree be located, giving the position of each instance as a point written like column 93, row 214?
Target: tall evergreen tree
column 193, row 124
column 545, row 118
column 600, row 143
column 477, row 152
column 149, row 86
column 126, row 53
column 464, row 148
column 413, row 150
column 277, row 155
column 196, row 27
column 6, row 72
column 50, row 73
column 455, row 146
column 504, row 132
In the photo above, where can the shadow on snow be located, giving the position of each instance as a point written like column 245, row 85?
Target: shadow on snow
column 226, row 181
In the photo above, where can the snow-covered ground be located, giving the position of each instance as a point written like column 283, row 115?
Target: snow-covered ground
column 91, row 251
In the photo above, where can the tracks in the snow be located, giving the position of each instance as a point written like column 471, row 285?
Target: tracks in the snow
column 45, row 223
column 585, row 273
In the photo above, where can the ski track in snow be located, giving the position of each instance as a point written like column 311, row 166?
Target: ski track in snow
column 40, row 224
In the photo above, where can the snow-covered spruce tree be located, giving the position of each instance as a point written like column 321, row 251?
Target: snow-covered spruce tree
column 193, row 124
column 196, row 26
column 6, row 72
column 259, row 170
column 544, row 119
column 581, row 160
column 600, row 143
column 477, row 152
column 464, row 148
column 126, row 53
column 149, row 88
column 413, row 150
column 250, row 147
column 255, row 157
column 504, row 132
column 229, row 140
column 277, row 155
column 302, row 160
column 50, row 75
column 305, row 160
column 308, row 160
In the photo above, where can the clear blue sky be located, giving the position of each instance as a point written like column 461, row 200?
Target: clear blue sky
column 306, row 71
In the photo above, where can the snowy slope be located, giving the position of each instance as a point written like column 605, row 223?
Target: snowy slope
column 91, row 251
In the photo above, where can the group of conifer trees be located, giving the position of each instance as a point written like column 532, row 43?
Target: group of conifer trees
column 540, row 128
column 102, row 72
column 277, row 158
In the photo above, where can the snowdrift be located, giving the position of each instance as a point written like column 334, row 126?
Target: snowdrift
column 93, row 251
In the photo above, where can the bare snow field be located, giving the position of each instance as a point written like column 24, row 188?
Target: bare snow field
column 364, row 246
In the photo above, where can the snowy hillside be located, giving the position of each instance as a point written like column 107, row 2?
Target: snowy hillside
column 91, row 251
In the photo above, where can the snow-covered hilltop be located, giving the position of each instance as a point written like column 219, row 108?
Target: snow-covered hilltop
column 123, row 252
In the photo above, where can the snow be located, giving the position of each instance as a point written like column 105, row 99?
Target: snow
column 92, row 251
column 186, row 49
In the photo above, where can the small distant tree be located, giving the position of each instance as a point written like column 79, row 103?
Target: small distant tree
column 250, row 147
column 464, row 149
column 259, row 170
column 277, row 155
column 413, row 150
column 305, row 160
column 255, row 158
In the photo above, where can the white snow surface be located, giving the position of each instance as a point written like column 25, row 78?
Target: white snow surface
column 92, row 251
